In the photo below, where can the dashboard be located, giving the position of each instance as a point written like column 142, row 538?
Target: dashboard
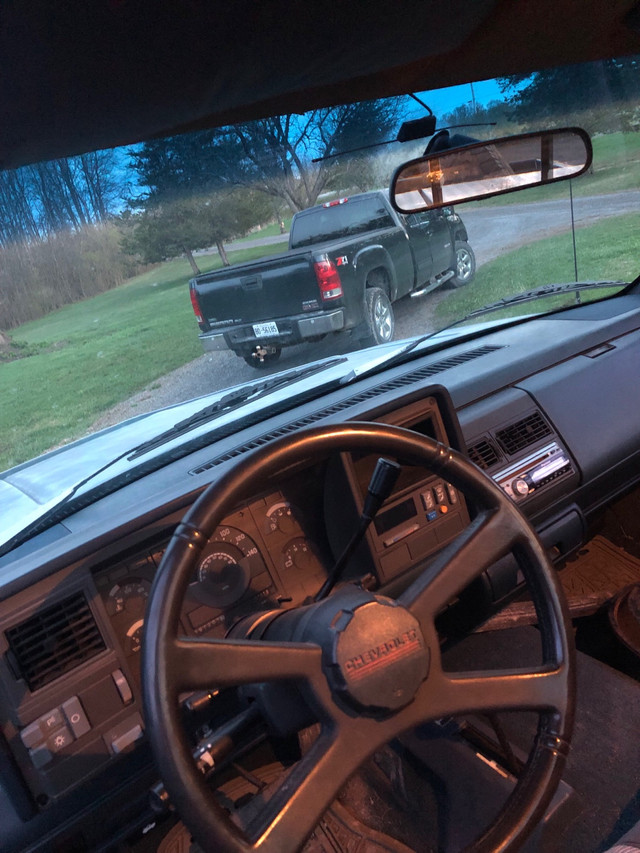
column 545, row 421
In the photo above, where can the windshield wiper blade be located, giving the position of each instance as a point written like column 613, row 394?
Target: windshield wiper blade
column 233, row 400
column 539, row 293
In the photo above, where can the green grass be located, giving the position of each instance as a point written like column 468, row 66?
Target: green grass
column 88, row 356
column 607, row 250
column 268, row 231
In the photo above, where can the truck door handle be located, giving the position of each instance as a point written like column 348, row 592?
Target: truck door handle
column 253, row 282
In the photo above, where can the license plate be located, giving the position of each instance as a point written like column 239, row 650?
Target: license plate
column 265, row 330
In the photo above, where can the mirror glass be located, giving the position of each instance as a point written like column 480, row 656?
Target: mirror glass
column 489, row 168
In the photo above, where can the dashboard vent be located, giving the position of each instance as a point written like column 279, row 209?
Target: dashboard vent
column 54, row 641
column 523, row 433
column 391, row 385
column 483, row 454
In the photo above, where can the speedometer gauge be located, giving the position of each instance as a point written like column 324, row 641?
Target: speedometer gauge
column 224, row 576
column 225, row 572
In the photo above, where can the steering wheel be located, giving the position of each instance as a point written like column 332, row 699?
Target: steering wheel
column 368, row 667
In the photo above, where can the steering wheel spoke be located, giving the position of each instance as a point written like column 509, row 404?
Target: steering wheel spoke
column 490, row 536
column 203, row 664
column 310, row 786
column 540, row 689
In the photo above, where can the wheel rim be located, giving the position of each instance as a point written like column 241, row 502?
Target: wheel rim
column 463, row 264
column 382, row 320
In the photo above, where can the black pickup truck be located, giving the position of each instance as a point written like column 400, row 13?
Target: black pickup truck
column 348, row 261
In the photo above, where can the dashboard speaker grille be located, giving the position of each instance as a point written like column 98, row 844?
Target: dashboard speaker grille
column 54, row 641
column 483, row 453
column 523, row 433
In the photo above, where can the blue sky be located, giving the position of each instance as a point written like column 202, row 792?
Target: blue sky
column 441, row 101
column 444, row 101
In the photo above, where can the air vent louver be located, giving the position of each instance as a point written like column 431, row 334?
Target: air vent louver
column 392, row 385
column 54, row 641
column 483, row 453
column 523, row 433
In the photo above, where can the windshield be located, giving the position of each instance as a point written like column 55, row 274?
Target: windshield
column 142, row 277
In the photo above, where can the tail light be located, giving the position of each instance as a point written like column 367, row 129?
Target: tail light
column 335, row 202
column 328, row 278
column 195, row 304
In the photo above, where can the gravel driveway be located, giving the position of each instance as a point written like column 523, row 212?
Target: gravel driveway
column 492, row 232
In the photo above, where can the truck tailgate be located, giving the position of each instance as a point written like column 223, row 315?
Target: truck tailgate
column 270, row 287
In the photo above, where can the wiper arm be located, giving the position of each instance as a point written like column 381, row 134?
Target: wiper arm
column 516, row 298
column 50, row 512
column 233, row 400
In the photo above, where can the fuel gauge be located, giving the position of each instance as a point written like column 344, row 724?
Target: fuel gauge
column 134, row 636
column 126, row 604
column 280, row 517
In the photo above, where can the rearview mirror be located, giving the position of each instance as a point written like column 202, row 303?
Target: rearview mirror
column 490, row 168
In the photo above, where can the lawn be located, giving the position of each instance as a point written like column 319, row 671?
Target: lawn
column 86, row 357
column 606, row 251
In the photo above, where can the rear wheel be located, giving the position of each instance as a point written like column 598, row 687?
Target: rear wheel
column 465, row 268
column 379, row 322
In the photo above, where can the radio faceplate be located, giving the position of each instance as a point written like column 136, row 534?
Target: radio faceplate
column 523, row 478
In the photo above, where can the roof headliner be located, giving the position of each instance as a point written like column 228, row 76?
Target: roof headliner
column 78, row 75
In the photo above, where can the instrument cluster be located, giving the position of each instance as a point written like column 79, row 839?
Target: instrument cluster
column 262, row 557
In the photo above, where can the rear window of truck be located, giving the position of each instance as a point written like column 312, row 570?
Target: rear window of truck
column 345, row 219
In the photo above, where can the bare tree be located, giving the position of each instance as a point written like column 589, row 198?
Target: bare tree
column 273, row 155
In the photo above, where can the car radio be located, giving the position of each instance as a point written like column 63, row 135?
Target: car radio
column 527, row 475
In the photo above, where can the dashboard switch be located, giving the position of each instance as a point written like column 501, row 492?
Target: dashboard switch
column 428, row 500
column 127, row 739
column 32, row 735
column 51, row 721
column 123, row 686
column 76, row 716
column 40, row 756
column 60, row 739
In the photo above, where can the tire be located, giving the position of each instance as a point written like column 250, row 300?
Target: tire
column 465, row 268
column 268, row 361
column 379, row 322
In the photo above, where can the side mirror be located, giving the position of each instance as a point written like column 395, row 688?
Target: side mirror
column 490, row 168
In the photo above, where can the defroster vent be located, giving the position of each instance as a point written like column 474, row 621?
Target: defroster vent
column 523, row 433
column 54, row 641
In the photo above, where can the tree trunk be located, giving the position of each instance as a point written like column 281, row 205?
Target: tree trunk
column 223, row 253
column 192, row 261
